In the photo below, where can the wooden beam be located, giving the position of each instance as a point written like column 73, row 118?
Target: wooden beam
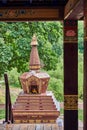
column 74, row 9
column 31, row 14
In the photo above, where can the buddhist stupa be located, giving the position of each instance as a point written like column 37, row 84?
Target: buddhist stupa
column 34, row 104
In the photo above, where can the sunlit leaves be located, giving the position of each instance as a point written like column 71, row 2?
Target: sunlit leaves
column 16, row 37
column 5, row 56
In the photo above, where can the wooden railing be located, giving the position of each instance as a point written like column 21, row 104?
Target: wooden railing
column 8, row 105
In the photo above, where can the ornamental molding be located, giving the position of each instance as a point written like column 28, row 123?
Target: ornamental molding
column 70, row 102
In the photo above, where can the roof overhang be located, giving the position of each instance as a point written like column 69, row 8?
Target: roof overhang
column 74, row 10
column 41, row 10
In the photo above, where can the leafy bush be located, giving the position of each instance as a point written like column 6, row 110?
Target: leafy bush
column 13, row 76
column 56, row 86
column 56, row 81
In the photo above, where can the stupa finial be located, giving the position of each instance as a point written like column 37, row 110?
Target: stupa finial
column 34, row 63
column 34, row 40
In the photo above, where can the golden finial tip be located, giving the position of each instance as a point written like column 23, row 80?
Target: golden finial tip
column 34, row 40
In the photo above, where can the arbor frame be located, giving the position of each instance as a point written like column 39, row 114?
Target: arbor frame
column 73, row 11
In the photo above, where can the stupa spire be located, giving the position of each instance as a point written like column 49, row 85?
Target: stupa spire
column 34, row 63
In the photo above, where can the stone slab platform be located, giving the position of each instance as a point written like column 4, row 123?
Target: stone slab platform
column 29, row 127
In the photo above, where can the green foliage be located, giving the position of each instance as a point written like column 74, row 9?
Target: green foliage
column 61, row 111
column 80, row 76
column 15, row 41
column 80, row 58
column 13, row 76
column 49, row 57
column 56, row 81
column 80, row 36
column 5, row 56
column 56, row 86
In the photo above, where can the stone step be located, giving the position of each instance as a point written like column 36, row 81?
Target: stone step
column 35, row 108
column 34, row 97
column 33, row 104
column 35, row 116
column 29, row 127
column 32, row 101
column 36, row 111
column 30, row 105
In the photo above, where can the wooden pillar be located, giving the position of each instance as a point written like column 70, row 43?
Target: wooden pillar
column 70, row 75
column 85, row 66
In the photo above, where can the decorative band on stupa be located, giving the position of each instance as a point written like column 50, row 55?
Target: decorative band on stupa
column 34, row 63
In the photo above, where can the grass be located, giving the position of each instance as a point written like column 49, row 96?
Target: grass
column 2, row 114
column 13, row 92
column 61, row 111
column 80, row 114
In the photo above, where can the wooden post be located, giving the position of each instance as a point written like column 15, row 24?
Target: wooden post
column 85, row 85
column 85, row 67
column 10, row 109
column 6, row 98
column 70, row 75
column 8, row 105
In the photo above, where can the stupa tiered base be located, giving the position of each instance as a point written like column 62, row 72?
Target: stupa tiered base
column 38, row 108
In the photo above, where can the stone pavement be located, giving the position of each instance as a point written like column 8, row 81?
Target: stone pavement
column 29, row 127
column 32, row 127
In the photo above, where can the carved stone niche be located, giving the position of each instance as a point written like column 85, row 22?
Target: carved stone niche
column 34, row 83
